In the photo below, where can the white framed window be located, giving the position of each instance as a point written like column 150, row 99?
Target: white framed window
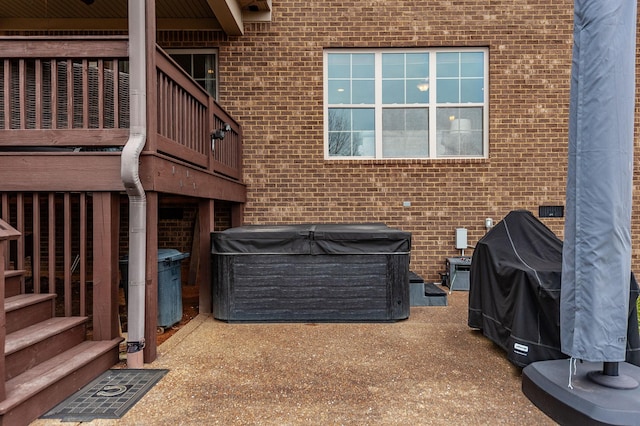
column 406, row 103
column 201, row 64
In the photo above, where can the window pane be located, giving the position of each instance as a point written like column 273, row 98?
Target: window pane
column 184, row 61
column 339, row 119
column 210, row 86
column 472, row 90
column 340, row 143
column 199, row 67
column 363, row 92
column 364, row 144
column 405, row 132
column 417, row 65
column 417, row 91
column 472, row 64
column 405, row 119
column 209, row 67
column 363, row 119
column 363, row 66
column 418, row 118
column 204, row 71
column 393, row 119
column 448, row 91
column 393, row 92
column 355, row 144
column 339, row 92
column 339, row 65
column 393, row 65
column 459, row 132
column 351, row 132
column 447, row 64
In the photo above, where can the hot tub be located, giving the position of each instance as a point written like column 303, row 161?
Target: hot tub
column 311, row 273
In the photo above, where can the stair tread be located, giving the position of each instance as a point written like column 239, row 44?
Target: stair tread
column 16, row 302
column 34, row 380
column 38, row 332
column 13, row 272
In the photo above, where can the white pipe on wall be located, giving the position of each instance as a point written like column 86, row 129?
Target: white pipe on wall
column 129, row 173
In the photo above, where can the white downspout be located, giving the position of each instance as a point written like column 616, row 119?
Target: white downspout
column 129, row 173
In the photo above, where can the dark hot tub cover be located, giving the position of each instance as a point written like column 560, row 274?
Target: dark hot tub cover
column 361, row 238
column 514, row 294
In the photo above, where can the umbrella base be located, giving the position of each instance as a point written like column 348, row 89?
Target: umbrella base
column 616, row 382
column 546, row 384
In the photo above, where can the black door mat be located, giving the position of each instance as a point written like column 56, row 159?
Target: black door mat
column 109, row 396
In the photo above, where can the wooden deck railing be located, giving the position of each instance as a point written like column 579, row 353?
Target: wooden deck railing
column 187, row 116
column 63, row 93
column 54, row 248
column 72, row 94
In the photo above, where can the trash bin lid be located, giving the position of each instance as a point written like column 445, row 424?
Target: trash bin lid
column 164, row 255
column 170, row 255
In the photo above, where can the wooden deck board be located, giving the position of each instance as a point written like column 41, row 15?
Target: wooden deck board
column 59, row 368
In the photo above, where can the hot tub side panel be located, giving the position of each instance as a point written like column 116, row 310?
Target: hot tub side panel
column 398, row 285
column 222, row 273
column 326, row 288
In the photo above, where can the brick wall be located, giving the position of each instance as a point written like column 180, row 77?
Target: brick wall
column 271, row 82
column 176, row 224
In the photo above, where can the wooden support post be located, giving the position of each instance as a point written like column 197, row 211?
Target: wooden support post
column 194, row 258
column 206, row 218
column 106, row 223
column 151, row 290
column 237, row 214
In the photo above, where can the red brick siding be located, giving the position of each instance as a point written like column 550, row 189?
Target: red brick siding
column 176, row 232
column 271, row 82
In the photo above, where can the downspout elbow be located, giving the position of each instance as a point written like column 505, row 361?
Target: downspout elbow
column 129, row 167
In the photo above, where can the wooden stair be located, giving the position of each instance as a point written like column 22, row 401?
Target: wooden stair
column 12, row 280
column 47, row 358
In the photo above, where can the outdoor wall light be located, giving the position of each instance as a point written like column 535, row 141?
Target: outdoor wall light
column 219, row 134
column 488, row 223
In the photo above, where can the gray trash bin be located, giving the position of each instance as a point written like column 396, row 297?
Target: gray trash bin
column 169, row 285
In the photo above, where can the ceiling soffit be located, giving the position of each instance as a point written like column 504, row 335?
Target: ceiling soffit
column 42, row 15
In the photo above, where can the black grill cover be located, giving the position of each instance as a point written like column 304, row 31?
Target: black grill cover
column 514, row 293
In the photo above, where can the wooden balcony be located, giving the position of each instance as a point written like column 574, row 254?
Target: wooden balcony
column 64, row 119
column 64, row 116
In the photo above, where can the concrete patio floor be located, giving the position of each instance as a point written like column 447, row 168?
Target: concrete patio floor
column 431, row 369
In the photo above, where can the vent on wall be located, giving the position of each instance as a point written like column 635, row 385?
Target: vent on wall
column 550, row 211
